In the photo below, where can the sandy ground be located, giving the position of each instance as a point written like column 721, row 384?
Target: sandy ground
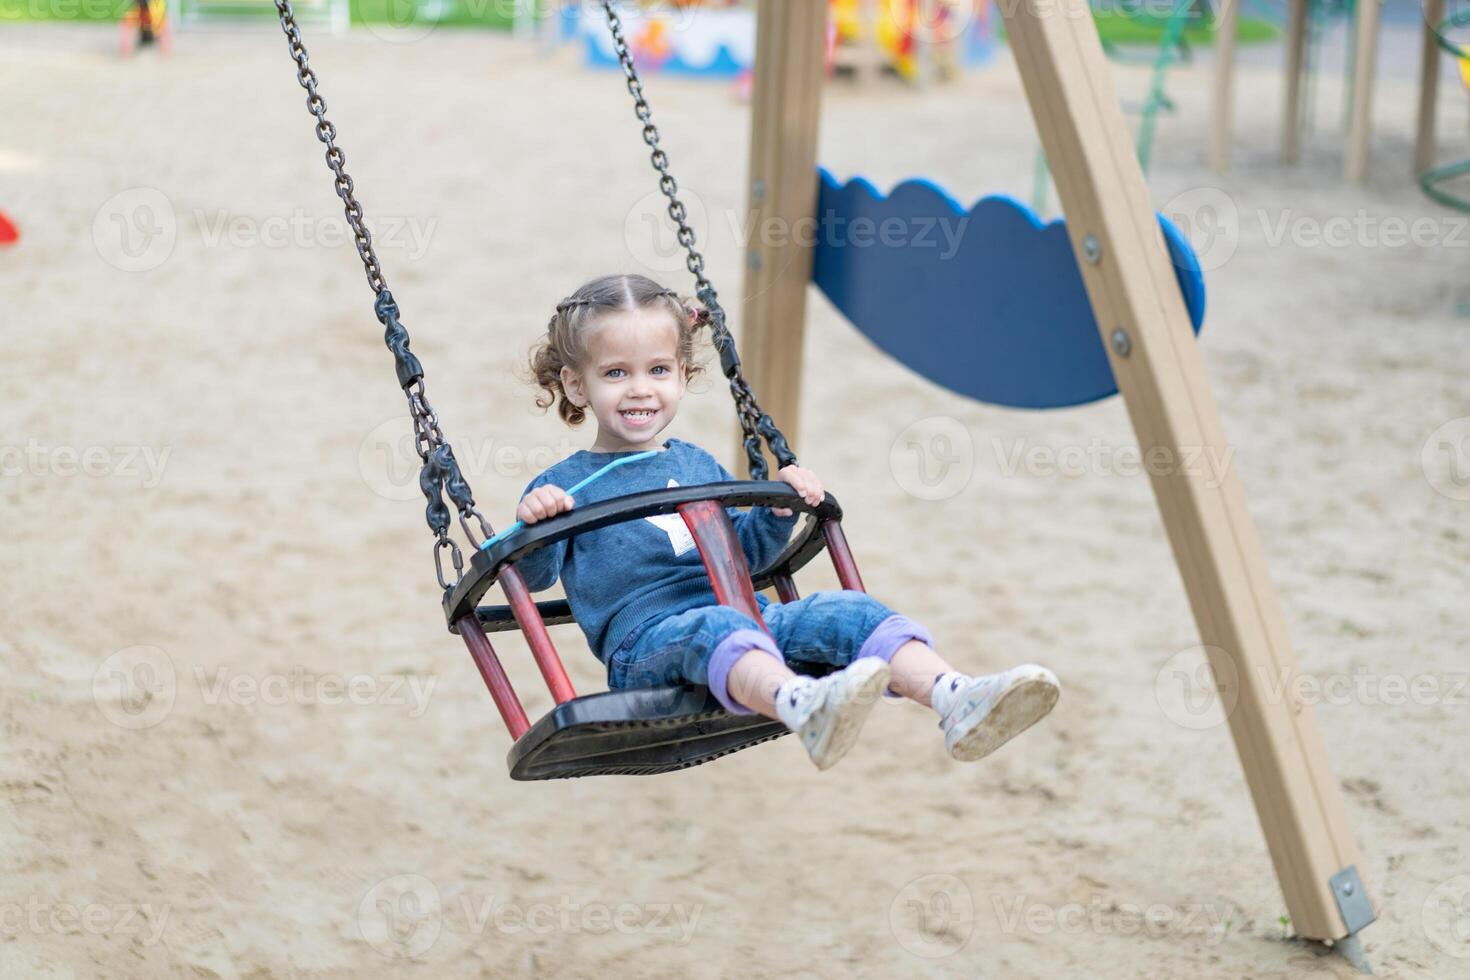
column 238, row 742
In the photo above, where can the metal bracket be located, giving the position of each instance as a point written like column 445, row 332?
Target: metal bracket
column 1352, row 899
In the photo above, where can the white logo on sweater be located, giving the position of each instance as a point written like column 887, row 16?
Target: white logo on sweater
column 673, row 525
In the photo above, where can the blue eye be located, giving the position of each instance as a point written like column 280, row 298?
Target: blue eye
column 661, row 368
column 612, row 372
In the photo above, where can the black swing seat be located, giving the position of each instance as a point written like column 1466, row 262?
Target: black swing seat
column 642, row 731
column 635, row 732
column 639, row 732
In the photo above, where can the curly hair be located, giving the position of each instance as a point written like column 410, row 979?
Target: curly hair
column 577, row 317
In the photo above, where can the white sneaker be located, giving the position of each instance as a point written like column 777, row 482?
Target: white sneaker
column 827, row 713
column 987, row 712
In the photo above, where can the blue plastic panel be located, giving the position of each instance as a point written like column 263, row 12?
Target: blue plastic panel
column 987, row 302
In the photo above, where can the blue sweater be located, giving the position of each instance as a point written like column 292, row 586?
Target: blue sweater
column 619, row 577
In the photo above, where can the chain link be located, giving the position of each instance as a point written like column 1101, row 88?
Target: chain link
column 694, row 261
column 754, row 423
column 427, row 436
column 440, row 473
column 336, row 159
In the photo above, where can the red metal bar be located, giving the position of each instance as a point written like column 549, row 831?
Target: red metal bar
column 785, row 588
column 534, row 630
column 842, row 561
column 714, row 535
column 504, row 695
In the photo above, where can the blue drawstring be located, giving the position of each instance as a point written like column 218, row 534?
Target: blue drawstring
column 571, row 492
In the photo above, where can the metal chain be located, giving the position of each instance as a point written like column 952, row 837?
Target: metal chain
column 336, row 160
column 753, row 422
column 440, row 473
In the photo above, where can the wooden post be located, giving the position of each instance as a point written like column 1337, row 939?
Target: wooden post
column 1360, row 131
column 1428, row 87
column 1296, row 50
column 1145, row 327
column 786, row 102
column 1229, row 20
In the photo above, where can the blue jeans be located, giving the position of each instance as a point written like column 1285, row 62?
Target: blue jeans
column 700, row 646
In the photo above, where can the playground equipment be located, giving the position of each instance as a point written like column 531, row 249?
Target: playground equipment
column 717, row 40
column 144, row 24
column 1171, row 49
column 1366, row 16
column 1437, row 180
column 616, row 732
column 1142, row 317
column 1036, row 344
column 334, row 15
column 1321, row 19
column 623, row 732
column 918, row 40
column 1143, row 323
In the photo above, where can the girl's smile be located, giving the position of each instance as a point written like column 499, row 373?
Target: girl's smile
column 632, row 380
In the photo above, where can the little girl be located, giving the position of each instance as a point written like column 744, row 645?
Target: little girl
column 622, row 348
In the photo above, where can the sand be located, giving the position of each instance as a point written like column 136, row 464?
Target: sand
column 208, row 497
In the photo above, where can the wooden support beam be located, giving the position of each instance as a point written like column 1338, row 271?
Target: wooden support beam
column 1296, row 51
column 1365, row 60
column 1145, row 327
column 1224, row 112
column 790, row 39
column 1428, row 87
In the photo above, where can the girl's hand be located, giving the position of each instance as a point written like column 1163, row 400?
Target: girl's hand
column 804, row 482
column 543, row 502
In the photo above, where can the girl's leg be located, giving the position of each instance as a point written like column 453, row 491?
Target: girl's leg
column 826, row 714
column 915, row 669
column 698, row 646
column 754, row 680
column 744, row 670
column 978, row 714
column 714, row 646
column 840, row 627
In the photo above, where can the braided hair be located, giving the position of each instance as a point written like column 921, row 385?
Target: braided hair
column 577, row 316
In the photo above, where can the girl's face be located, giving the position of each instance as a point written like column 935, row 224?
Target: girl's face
column 632, row 379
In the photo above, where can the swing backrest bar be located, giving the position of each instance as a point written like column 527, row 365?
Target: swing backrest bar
column 724, row 561
column 501, row 691
column 534, row 630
